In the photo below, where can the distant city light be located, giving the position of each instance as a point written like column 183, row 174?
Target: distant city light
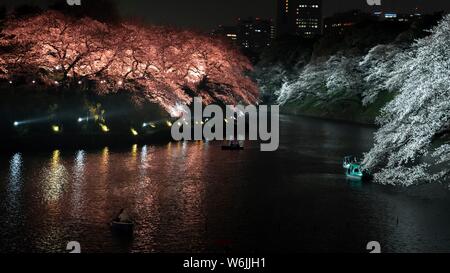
column 134, row 132
column 56, row 128
column 16, row 123
column 80, row 119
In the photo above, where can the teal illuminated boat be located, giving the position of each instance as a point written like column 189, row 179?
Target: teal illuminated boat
column 355, row 171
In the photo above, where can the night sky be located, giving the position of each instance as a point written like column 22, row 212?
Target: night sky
column 206, row 14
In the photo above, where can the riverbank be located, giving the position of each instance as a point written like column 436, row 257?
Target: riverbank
column 345, row 110
column 80, row 141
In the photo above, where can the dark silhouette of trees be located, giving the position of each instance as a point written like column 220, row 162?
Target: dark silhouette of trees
column 2, row 12
column 101, row 10
column 26, row 10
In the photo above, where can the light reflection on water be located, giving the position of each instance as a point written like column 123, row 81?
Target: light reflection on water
column 194, row 197
column 14, row 187
column 80, row 165
column 15, row 174
column 78, row 182
column 55, row 177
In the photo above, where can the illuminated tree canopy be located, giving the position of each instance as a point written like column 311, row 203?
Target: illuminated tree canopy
column 410, row 146
column 405, row 81
column 156, row 64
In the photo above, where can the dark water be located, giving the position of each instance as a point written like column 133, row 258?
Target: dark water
column 193, row 197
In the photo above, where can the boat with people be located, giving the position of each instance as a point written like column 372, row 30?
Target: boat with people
column 122, row 223
column 348, row 160
column 233, row 145
column 354, row 169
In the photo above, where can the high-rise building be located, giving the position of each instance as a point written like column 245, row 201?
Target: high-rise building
column 254, row 33
column 251, row 35
column 299, row 18
column 228, row 32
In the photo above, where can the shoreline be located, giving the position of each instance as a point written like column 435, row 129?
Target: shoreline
column 45, row 142
column 327, row 118
column 93, row 141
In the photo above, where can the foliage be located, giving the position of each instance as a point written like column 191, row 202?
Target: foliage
column 156, row 64
column 404, row 145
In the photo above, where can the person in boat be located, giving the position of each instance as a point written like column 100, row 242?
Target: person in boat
column 123, row 217
column 234, row 143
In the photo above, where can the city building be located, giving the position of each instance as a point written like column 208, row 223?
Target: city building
column 251, row 34
column 227, row 32
column 299, row 18
column 254, row 33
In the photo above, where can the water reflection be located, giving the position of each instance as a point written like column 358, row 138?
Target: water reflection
column 14, row 187
column 134, row 150
column 144, row 166
column 104, row 166
column 55, row 177
column 101, row 175
column 80, row 165
column 15, row 173
column 79, row 180
column 144, row 155
column 186, row 196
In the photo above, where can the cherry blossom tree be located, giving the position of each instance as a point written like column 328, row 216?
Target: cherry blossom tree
column 379, row 69
column 326, row 79
column 157, row 64
column 408, row 148
column 310, row 81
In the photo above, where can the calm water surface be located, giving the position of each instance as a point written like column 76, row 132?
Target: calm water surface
column 194, row 197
